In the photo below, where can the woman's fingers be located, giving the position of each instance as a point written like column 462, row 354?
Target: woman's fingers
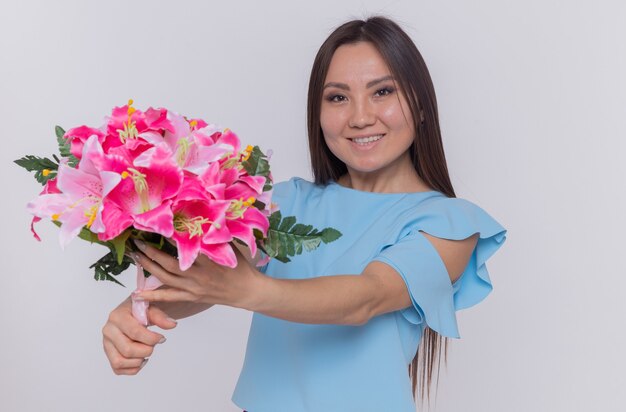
column 125, row 323
column 156, row 269
column 166, row 295
column 167, row 262
column 120, row 364
column 128, row 344
column 128, row 347
column 160, row 319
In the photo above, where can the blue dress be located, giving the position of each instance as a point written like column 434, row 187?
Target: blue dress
column 295, row 367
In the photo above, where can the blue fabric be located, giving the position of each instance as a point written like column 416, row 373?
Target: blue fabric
column 295, row 367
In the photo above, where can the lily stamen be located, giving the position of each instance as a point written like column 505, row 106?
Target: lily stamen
column 141, row 186
column 192, row 225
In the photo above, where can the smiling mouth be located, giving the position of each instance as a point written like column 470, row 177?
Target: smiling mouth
column 368, row 139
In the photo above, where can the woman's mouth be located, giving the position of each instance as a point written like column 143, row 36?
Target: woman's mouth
column 366, row 141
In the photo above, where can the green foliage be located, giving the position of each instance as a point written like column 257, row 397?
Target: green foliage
column 64, row 144
column 88, row 235
column 64, row 147
column 119, row 245
column 287, row 238
column 257, row 164
column 38, row 165
column 107, row 267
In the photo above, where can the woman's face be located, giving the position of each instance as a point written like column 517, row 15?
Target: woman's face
column 365, row 119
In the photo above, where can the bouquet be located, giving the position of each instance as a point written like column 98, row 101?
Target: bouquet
column 182, row 185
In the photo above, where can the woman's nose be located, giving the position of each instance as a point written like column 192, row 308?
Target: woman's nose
column 362, row 115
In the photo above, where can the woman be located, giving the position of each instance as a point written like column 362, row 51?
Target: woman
column 334, row 329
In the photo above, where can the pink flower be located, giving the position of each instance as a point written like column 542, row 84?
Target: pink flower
column 80, row 201
column 126, row 124
column 192, row 148
column 49, row 188
column 130, row 149
column 144, row 196
column 200, row 226
column 79, row 135
column 242, row 218
column 157, row 119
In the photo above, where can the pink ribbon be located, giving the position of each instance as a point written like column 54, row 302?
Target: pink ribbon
column 140, row 307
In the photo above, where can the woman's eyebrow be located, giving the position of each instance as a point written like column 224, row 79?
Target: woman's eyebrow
column 382, row 79
column 372, row 83
column 342, row 86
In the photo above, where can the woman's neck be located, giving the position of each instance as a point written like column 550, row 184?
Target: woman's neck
column 385, row 181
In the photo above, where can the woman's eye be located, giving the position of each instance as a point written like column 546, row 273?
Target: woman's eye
column 384, row 91
column 336, row 98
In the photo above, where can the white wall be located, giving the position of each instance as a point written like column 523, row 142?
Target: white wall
column 532, row 97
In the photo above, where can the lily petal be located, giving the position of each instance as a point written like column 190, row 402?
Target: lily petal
column 221, row 253
column 158, row 220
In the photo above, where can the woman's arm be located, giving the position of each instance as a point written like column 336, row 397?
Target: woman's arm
column 181, row 310
column 350, row 299
column 341, row 299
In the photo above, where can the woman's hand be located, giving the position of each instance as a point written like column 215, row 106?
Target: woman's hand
column 204, row 282
column 127, row 343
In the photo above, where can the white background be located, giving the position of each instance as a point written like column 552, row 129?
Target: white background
column 532, row 98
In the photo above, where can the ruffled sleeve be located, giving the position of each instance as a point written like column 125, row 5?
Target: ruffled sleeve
column 435, row 299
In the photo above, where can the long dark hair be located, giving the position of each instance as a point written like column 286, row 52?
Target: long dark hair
column 410, row 72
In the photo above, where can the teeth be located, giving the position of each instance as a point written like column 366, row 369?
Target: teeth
column 365, row 140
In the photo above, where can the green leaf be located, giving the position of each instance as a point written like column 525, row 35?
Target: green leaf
column 287, row 238
column 119, row 245
column 330, row 235
column 38, row 165
column 257, row 164
column 65, row 146
column 58, row 130
column 89, row 236
column 274, row 243
column 311, row 244
column 274, row 219
column 290, row 247
column 107, row 267
column 300, row 229
column 287, row 223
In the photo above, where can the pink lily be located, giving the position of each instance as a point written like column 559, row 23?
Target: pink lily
column 80, row 203
column 192, row 148
column 49, row 188
column 130, row 149
column 200, row 225
column 241, row 217
column 144, row 196
column 79, row 135
column 125, row 124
